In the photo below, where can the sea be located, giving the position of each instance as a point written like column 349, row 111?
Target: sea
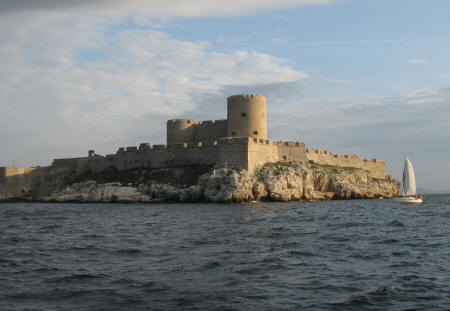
column 322, row 255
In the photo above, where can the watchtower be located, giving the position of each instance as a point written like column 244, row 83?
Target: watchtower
column 180, row 131
column 247, row 116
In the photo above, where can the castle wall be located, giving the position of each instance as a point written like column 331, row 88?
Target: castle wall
column 261, row 151
column 2, row 179
column 209, row 131
column 233, row 152
column 14, row 179
column 290, row 151
column 69, row 165
column 158, row 156
column 249, row 153
column 376, row 168
column 180, row 131
column 247, row 116
column 242, row 152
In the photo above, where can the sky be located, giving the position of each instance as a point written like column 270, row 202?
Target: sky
column 365, row 77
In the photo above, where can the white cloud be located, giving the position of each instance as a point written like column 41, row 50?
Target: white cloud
column 418, row 61
column 338, row 43
column 159, row 8
column 379, row 127
column 58, row 103
column 339, row 81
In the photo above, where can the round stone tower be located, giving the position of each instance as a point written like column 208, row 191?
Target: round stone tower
column 247, row 116
column 180, row 131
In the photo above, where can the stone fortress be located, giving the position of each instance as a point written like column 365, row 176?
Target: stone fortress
column 239, row 141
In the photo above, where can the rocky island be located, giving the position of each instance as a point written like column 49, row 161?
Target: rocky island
column 227, row 160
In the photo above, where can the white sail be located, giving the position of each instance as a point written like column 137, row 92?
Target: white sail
column 409, row 180
column 401, row 191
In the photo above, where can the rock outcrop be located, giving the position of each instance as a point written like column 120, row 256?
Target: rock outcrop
column 273, row 182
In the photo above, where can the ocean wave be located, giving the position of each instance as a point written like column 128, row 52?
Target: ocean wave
column 379, row 296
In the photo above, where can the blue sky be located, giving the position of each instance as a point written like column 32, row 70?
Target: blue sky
column 370, row 77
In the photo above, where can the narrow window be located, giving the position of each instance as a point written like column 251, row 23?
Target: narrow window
column 255, row 132
column 243, row 114
column 284, row 158
column 233, row 133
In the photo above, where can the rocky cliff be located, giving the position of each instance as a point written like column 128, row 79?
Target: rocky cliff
column 271, row 182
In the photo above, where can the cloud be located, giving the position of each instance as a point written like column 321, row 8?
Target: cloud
column 338, row 43
column 339, row 81
column 418, row 61
column 159, row 8
column 59, row 101
column 380, row 127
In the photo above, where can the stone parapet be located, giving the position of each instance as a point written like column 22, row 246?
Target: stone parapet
column 376, row 168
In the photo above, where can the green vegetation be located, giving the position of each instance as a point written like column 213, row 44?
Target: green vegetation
column 180, row 175
column 279, row 167
column 229, row 170
column 334, row 168
column 280, row 164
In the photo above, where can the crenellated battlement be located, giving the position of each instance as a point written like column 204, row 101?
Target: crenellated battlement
column 183, row 121
column 210, row 122
column 242, row 152
column 159, row 147
column 377, row 168
column 246, row 96
column 233, row 140
column 144, row 146
column 373, row 161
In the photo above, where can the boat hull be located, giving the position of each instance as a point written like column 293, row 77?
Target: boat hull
column 411, row 200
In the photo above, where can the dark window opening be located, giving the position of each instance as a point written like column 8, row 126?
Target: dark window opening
column 255, row 132
column 243, row 114
column 284, row 158
column 233, row 133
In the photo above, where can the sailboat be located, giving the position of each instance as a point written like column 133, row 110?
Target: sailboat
column 407, row 192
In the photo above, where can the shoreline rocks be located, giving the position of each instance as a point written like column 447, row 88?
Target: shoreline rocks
column 280, row 182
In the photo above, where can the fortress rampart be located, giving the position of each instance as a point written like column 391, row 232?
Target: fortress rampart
column 377, row 168
column 239, row 141
column 14, row 179
column 243, row 152
column 180, row 131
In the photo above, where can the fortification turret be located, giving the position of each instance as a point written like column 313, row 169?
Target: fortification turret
column 180, row 131
column 247, row 116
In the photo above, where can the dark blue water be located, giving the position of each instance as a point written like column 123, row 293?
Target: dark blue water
column 335, row 255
